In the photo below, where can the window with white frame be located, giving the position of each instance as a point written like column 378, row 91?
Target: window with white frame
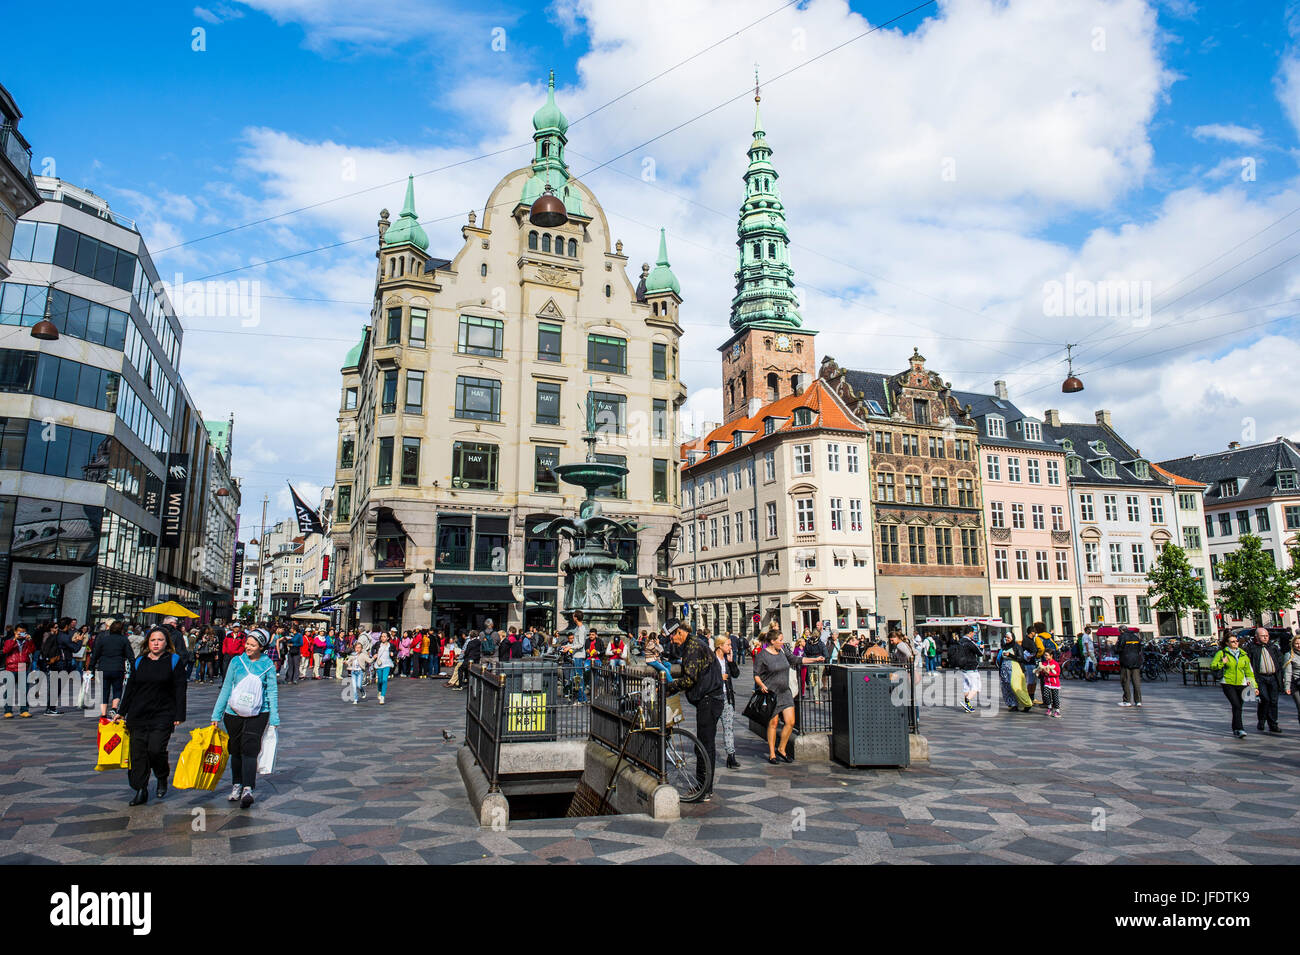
column 1058, row 518
column 851, row 454
column 805, row 521
column 803, row 459
column 1053, row 472
column 1139, row 558
column 837, row 513
column 832, row 457
column 1116, row 558
column 1091, row 559
column 1086, row 512
column 1062, row 565
column 997, row 515
column 993, row 466
column 1033, row 431
column 1000, row 563
column 769, row 466
column 1036, row 514
column 1013, row 469
column 1040, row 564
column 1022, row 565
column 995, row 426
column 1031, row 466
column 738, row 522
column 753, row 523
column 1157, row 510
column 1018, row 517
column 855, row 513
column 771, row 518
column 1133, row 504
column 1111, row 503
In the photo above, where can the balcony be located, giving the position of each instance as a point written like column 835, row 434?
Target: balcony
column 453, row 558
column 15, row 150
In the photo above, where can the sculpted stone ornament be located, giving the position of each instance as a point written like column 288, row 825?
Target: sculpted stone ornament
column 592, row 573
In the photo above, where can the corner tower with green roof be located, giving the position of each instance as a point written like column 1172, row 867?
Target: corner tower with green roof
column 770, row 349
column 550, row 130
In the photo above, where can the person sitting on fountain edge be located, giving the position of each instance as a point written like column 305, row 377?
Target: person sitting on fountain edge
column 701, row 678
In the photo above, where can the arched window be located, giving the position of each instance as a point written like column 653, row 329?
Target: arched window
column 546, row 149
column 392, row 267
column 654, row 308
column 767, row 344
column 758, row 250
column 771, row 250
column 731, row 394
column 546, row 242
column 401, row 267
column 744, row 388
column 532, row 241
column 794, row 384
column 573, row 248
column 482, row 270
column 773, row 387
column 608, row 291
column 798, row 347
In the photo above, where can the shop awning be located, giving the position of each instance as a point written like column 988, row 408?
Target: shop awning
column 633, row 597
column 670, row 595
column 379, row 592
column 860, row 555
column 473, row 593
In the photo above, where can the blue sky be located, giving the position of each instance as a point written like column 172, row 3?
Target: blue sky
column 1111, row 155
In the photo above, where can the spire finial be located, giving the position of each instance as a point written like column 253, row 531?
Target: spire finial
column 757, row 93
column 551, row 82
column 663, row 248
column 408, row 207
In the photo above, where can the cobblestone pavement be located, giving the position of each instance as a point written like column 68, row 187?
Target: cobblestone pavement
column 1162, row 784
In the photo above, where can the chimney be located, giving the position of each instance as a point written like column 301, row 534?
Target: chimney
column 754, row 405
column 1233, row 445
column 1000, row 389
column 1052, row 418
column 1103, row 417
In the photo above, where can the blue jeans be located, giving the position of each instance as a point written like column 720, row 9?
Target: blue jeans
column 356, row 684
column 930, row 663
column 663, row 668
column 382, row 674
column 580, row 675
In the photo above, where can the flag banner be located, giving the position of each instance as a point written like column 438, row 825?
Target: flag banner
column 173, row 516
column 308, row 520
column 237, row 577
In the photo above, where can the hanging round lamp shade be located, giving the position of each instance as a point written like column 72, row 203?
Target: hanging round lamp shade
column 222, row 492
column 1071, row 385
column 547, row 210
column 45, row 330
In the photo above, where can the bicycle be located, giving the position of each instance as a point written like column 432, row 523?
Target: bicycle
column 683, row 752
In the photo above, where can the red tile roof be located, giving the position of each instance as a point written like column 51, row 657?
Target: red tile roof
column 1177, row 479
column 828, row 412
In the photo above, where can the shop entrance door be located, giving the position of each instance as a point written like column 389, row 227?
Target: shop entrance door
column 38, row 605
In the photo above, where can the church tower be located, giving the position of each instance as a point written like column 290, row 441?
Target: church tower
column 769, row 349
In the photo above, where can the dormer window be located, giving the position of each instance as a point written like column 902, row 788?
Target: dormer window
column 1142, row 470
column 1100, row 447
column 1229, row 488
column 714, row 447
column 1286, row 480
column 995, row 426
column 802, row 417
column 1074, row 466
column 769, row 425
column 1107, row 468
column 738, row 440
column 1067, row 445
column 1033, row 431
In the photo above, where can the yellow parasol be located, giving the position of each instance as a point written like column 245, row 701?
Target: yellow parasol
column 170, row 609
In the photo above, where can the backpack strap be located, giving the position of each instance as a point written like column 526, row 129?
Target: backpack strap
column 175, row 659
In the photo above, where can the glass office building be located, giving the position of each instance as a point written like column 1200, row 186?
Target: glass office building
column 87, row 421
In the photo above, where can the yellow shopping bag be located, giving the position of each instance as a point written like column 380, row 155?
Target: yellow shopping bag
column 203, row 760
column 114, row 746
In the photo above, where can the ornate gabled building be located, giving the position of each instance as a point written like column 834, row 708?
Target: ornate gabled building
column 925, row 490
column 475, row 377
column 769, row 350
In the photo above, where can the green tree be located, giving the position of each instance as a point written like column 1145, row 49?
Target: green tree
column 1175, row 587
column 246, row 613
column 1250, row 583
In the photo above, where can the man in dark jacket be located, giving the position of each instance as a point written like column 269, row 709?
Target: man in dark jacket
column 1129, row 649
column 701, row 678
column 1266, row 661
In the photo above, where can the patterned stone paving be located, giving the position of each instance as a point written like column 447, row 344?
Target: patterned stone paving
column 1160, row 785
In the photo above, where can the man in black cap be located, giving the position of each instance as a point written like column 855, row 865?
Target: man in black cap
column 701, row 679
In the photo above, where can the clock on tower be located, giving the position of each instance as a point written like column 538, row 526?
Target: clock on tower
column 783, row 343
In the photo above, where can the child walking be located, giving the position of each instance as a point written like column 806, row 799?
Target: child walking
column 383, row 664
column 1050, row 671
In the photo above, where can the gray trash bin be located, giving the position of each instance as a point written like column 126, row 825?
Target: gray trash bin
column 868, row 723
column 529, row 712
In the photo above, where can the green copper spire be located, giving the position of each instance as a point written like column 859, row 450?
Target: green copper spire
column 354, row 353
column 765, row 294
column 407, row 228
column 661, row 278
column 549, row 167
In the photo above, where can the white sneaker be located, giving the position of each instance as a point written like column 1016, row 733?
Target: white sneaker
column 1125, row 703
column 246, row 799
column 235, row 790
column 381, row 698
column 1137, row 704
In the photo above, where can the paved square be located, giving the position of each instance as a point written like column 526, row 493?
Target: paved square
column 1164, row 784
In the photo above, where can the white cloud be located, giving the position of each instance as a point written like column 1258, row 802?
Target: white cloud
column 1228, row 133
column 1045, row 109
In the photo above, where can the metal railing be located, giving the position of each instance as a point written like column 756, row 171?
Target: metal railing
column 813, row 705
column 484, row 705
column 540, row 701
column 629, row 716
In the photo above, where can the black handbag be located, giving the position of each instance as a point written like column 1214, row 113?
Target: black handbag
column 761, row 707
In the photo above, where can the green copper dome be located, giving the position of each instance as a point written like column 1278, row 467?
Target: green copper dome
column 354, row 356
column 407, row 228
column 549, row 116
column 661, row 278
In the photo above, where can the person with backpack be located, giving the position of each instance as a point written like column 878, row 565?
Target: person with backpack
column 1129, row 647
column 152, row 707
column 929, row 653
column 965, row 656
column 488, row 641
column 248, row 704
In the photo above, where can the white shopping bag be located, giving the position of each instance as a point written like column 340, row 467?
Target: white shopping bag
column 1249, row 694
column 266, row 758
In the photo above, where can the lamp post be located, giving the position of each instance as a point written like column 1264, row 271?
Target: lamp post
column 904, row 598
column 911, row 676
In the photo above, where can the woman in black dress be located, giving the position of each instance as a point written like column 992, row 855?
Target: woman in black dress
column 153, row 705
column 772, row 675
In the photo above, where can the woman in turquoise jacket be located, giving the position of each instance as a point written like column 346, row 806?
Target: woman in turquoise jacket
column 248, row 704
column 1237, row 674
